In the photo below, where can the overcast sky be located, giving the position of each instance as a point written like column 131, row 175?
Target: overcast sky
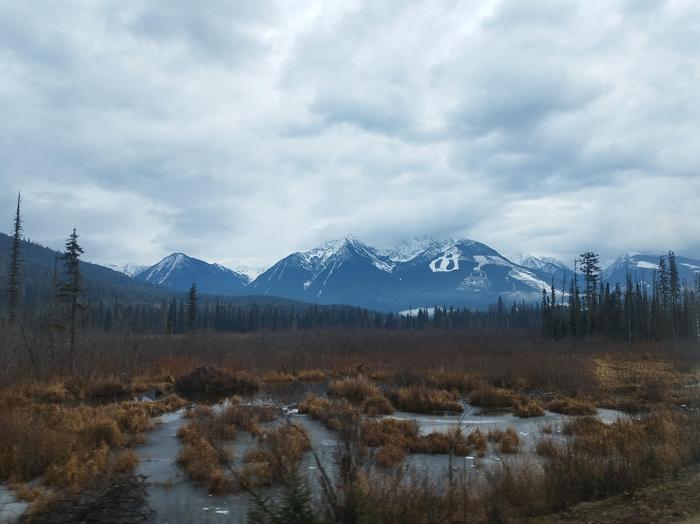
column 248, row 130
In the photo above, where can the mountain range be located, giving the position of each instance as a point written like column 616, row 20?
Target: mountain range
column 418, row 272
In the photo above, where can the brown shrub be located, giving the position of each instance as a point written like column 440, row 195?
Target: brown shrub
column 277, row 376
column 64, row 443
column 201, row 461
column 374, row 406
column 546, row 447
column 583, row 425
column 420, row 399
column 311, row 375
column 389, row 431
column 452, row 380
column 126, row 461
column 210, row 381
column 529, row 409
column 490, row 397
column 255, row 474
column 478, row 441
column 389, row 455
column 508, row 440
column 336, row 414
column 355, row 389
column 570, row 406
column 281, row 450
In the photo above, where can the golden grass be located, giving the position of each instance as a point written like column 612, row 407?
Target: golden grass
column 374, row 406
column 571, row 406
column 529, row 409
column 355, row 389
column 404, row 435
column 508, row 440
column 311, row 375
column 70, row 445
column 421, row 399
column 452, row 380
column 277, row 455
column 277, row 376
column 491, row 397
column 336, row 414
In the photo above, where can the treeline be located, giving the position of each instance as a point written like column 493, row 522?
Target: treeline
column 664, row 309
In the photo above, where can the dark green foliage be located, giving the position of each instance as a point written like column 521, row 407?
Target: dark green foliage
column 14, row 284
column 71, row 288
column 192, row 308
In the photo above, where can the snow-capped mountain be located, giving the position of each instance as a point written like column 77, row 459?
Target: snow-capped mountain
column 251, row 272
column 178, row 272
column 642, row 267
column 419, row 272
column 552, row 266
column 128, row 269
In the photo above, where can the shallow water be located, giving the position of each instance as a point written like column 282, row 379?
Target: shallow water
column 174, row 498
column 11, row 509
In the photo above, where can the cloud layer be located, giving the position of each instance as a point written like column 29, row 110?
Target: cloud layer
column 247, row 130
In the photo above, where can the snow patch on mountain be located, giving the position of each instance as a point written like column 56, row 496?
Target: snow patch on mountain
column 127, row 269
column 408, row 249
column 643, row 264
column 161, row 271
column 448, row 261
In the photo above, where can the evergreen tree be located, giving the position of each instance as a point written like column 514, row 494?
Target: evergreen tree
column 674, row 290
column 192, row 308
column 71, row 289
column 14, row 286
column 590, row 269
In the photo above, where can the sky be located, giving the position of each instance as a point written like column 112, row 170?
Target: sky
column 244, row 131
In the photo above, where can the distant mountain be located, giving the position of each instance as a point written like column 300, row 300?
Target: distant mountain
column 178, row 271
column 421, row 272
column 128, row 269
column 554, row 268
column 100, row 283
column 642, row 267
column 417, row 273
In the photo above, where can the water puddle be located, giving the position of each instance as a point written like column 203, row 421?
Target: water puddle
column 11, row 509
column 175, row 498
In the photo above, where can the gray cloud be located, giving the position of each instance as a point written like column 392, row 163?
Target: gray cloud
column 247, row 130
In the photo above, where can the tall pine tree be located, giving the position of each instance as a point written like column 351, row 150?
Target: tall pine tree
column 192, row 308
column 14, row 284
column 71, row 289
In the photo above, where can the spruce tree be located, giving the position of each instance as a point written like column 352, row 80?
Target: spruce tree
column 590, row 269
column 14, row 285
column 71, row 289
column 192, row 308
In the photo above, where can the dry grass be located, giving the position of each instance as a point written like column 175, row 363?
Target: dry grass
column 71, row 445
column 491, row 397
column 421, row 399
column 508, row 440
column 452, row 380
column 336, row 414
column 355, row 389
column 391, row 434
column 529, row 409
column 571, row 406
column 311, row 375
column 277, row 376
column 277, row 455
column 375, row 406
